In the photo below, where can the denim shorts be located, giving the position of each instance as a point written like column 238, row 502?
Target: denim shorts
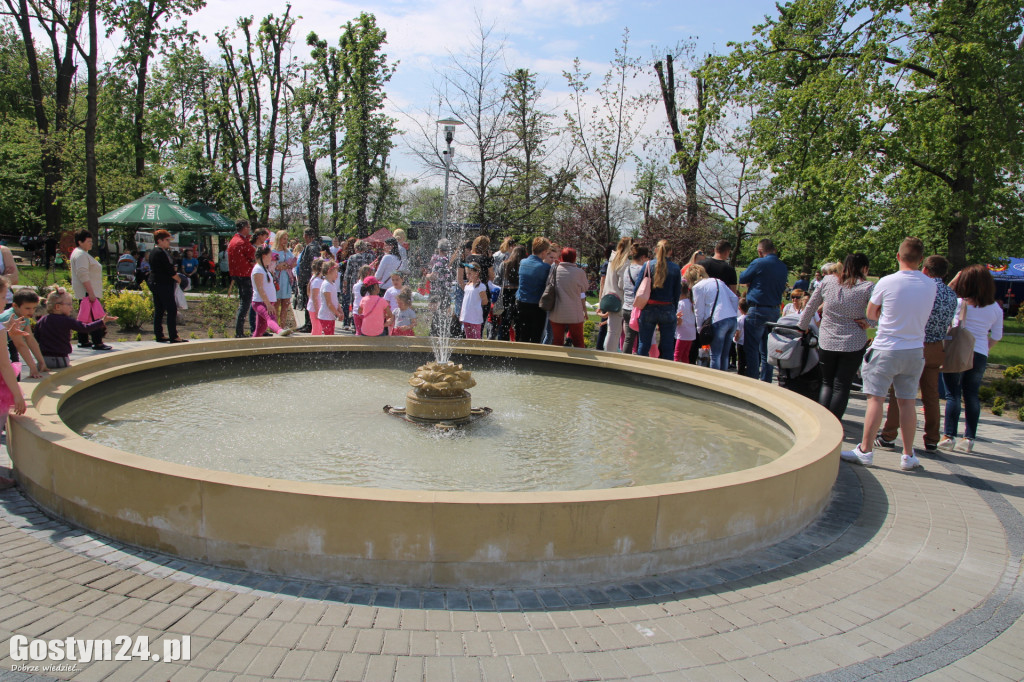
column 899, row 368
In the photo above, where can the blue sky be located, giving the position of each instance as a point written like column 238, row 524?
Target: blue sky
column 543, row 35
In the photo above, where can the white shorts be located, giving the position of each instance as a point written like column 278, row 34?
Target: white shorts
column 900, row 369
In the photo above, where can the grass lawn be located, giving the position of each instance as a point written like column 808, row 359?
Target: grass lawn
column 1010, row 349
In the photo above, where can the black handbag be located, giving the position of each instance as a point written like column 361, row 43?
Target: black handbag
column 705, row 334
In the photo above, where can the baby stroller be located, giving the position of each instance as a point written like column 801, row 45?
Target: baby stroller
column 126, row 275
column 795, row 355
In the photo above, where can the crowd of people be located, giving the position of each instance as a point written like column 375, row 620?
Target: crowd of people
column 537, row 292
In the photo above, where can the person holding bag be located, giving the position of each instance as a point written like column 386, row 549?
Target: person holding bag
column 612, row 294
column 533, row 275
column 716, row 314
column 570, row 300
column 664, row 280
column 631, row 274
column 979, row 314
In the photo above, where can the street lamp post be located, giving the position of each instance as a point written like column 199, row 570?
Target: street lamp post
column 449, row 135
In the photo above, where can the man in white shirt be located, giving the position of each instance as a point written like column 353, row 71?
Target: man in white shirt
column 901, row 302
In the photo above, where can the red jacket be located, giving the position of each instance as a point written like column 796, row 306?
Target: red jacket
column 241, row 256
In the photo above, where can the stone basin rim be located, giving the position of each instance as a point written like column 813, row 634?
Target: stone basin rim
column 49, row 394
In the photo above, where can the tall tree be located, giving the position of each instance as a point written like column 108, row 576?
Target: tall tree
column 368, row 130
column 52, row 120
column 147, row 25
column 908, row 110
column 689, row 125
column 605, row 132
column 326, row 74
column 540, row 173
column 249, row 107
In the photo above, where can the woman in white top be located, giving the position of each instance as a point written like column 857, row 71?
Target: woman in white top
column 316, row 281
column 714, row 300
column 983, row 317
column 613, row 287
column 264, row 294
column 390, row 263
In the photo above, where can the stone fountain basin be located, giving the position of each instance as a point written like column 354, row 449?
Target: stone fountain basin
column 423, row 538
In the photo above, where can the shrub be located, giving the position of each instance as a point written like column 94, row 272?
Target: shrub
column 590, row 333
column 1008, row 388
column 1013, row 373
column 1020, row 413
column 217, row 309
column 997, row 410
column 131, row 308
column 998, row 405
column 986, row 394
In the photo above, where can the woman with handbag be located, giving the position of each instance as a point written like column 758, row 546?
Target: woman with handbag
column 570, row 309
column 979, row 314
column 638, row 257
column 715, row 309
column 842, row 336
column 663, row 285
column 612, row 294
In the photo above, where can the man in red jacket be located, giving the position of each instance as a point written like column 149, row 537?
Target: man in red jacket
column 241, row 257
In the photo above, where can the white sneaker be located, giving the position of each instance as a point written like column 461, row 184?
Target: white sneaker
column 857, row 456
column 909, row 462
column 946, row 443
column 966, row 445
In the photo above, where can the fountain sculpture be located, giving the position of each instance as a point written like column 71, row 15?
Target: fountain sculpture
column 439, row 397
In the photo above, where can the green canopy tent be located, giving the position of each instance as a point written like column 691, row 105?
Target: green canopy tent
column 221, row 225
column 155, row 211
column 152, row 212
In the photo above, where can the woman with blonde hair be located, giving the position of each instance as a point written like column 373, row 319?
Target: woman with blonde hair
column 695, row 258
column 714, row 300
column 283, row 262
column 403, row 252
column 660, row 311
column 612, row 294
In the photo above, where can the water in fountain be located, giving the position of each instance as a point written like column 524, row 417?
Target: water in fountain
column 441, row 341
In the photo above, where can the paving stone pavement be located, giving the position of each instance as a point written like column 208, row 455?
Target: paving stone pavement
column 906, row 576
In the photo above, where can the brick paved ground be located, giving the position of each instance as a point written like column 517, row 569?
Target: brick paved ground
column 909, row 575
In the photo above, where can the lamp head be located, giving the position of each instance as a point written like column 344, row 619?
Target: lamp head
column 449, row 128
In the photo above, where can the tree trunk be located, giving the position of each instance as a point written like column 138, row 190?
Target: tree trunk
column 91, row 61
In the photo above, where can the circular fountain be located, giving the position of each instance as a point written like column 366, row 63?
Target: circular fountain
column 426, row 537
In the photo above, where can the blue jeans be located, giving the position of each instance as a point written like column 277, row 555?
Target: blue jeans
column 755, row 341
column 664, row 318
column 721, row 343
column 966, row 384
column 244, row 285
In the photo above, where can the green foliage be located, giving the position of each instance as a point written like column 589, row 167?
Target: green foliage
column 1014, row 372
column 997, row 410
column 1020, row 413
column 590, row 332
column 986, row 394
column 1014, row 390
column 901, row 121
column 216, row 309
column 131, row 308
